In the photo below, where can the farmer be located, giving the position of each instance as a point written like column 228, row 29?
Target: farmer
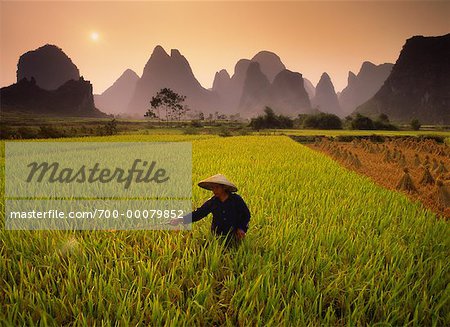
column 230, row 213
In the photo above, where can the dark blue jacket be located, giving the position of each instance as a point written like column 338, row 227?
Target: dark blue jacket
column 229, row 215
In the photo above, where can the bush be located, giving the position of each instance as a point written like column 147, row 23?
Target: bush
column 190, row 130
column 362, row 122
column 415, row 124
column 196, row 123
column 298, row 122
column 383, row 118
column 7, row 133
column 380, row 125
column 224, row 131
column 111, row 127
column 98, row 130
column 284, row 122
column 26, row 133
column 271, row 120
column 322, row 121
column 49, row 132
column 365, row 123
column 243, row 131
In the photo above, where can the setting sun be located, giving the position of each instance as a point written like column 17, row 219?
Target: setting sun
column 94, row 36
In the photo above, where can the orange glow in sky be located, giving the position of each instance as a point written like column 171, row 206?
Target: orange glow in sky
column 105, row 38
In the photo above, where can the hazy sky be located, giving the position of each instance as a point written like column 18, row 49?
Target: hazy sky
column 105, row 38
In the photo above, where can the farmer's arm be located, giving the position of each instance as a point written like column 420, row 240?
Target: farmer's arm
column 199, row 213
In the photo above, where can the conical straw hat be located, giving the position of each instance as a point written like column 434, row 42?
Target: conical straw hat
column 217, row 179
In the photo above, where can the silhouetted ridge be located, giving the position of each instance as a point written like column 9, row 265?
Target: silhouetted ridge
column 255, row 89
column 269, row 63
column 309, row 88
column 288, row 94
column 116, row 98
column 173, row 72
column 363, row 86
column 326, row 99
column 49, row 66
column 260, row 82
column 73, row 98
column 418, row 86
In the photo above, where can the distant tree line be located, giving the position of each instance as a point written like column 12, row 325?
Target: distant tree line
column 365, row 123
column 319, row 121
column 325, row 121
column 169, row 104
column 59, row 131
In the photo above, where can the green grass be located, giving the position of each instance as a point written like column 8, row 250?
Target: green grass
column 325, row 247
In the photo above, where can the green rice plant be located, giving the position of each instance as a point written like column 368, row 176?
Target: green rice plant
column 326, row 246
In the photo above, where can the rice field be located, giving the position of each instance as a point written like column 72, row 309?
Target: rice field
column 427, row 162
column 325, row 246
